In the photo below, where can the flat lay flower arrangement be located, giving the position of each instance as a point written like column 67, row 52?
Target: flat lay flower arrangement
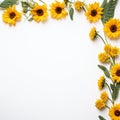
column 109, row 82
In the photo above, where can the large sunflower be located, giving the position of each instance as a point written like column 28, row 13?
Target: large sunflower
column 57, row 10
column 94, row 12
column 115, row 72
column 112, row 28
column 11, row 16
column 39, row 13
column 114, row 112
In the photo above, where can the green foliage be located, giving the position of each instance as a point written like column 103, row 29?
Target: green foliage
column 108, row 9
column 105, row 70
column 101, row 118
column 71, row 12
column 7, row 3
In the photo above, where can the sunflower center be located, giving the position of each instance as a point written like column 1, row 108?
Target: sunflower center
column 58, row 10
column 113, row 28
column 93, row 13
column 39, row 12
column 118, row 72
column 12, row 15
column 117, row 113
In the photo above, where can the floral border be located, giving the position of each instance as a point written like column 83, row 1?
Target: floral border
column 109, row 82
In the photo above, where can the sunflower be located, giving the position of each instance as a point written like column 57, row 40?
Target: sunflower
column 115, row 72
column 112, row 28
column 93, row 33
column 39, row 13
column 78, row 5
column 57, row 10
column 100, row 104
column 104, row 96
column 107, row 49
column 11, row 16
column 94, row 12
column 101, row 82
column 115, row 51
column 103, row 57
column 114, row 112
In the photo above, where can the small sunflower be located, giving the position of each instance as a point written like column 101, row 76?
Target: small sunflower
column 93, row 33
column 78, row 5
column 100, row 104
column 39, row 13
column 114, row 112
column 57, row 10
column 103, row 57
column 107, row 49
column 115, row 51
column 11, row 16
column 115, row 72
column 112, row 28
column 104, row 96
column 101, row 82
column 94, row 12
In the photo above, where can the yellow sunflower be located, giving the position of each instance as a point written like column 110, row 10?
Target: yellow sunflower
column 114, row 112
column 57, row 10
column 115, row 72
column 78, row 5
column 104, row 96
column 93, row 33
column 112, row 28
column 101, row 82
column 115, row 51
column 100, row 104
column 107, row 49
column 94, row 12
column 11, row 16
column 39, row 13
column 103, row 57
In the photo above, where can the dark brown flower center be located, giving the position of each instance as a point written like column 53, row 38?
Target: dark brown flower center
column 58, row 10
column 12, row 15
column 93, row 13
column 39, row 12
column 117, row 113
column 118, row 73
column 113, row 28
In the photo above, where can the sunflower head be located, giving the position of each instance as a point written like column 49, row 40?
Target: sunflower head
column 115, row 72
column 93, row 33
column 78, row 5
column 114, row 112
column 101, row 82
column 11, row 16
column 103, row 57
column 99, row 104
column 57, row 10
column 115, row 51
column 39, row 13
column 104, row 96
column 112, row 28
column 94, row 12
column 107, row 49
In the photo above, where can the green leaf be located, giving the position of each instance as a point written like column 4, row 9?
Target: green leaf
column 30, row 19
column 105, row 70
column 101, row 118
column 115, row 93
column 104, row 3
column 71, row 12
column 118, row 85
column 108, row 9
column 7, row 3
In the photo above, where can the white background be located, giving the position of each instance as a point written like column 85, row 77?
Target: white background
column 49, row 71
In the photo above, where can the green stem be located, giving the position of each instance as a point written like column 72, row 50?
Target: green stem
column 107, row 106
column 101, row 38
